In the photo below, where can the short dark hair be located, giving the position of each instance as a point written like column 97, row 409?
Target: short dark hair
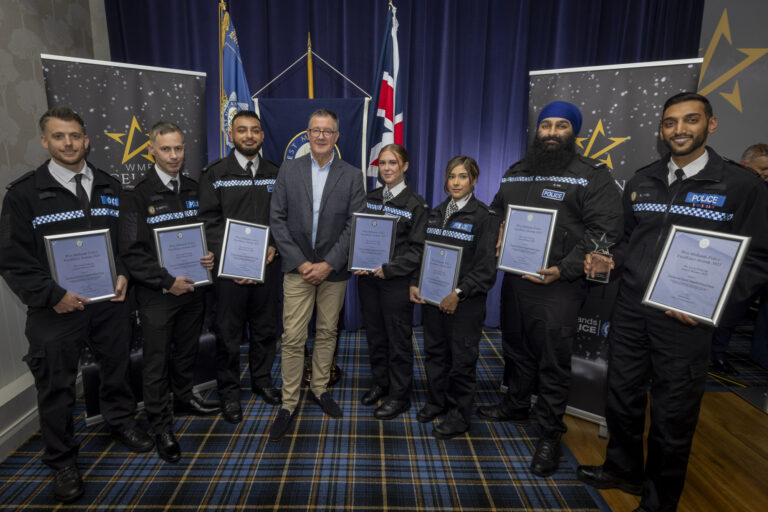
column 690, row 96
column 245, row 113
column 754, row 151
column 63, row 113
column 163, row 127
column 469, row 164
column 324, row 112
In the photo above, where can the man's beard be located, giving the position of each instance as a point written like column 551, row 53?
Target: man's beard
column 543, row 157
column 247, row 151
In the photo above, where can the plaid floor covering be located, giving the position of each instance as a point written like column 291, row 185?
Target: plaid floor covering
column 356, row 463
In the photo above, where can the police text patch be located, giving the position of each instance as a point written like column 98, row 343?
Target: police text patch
column 552, row 194
column 702, row 198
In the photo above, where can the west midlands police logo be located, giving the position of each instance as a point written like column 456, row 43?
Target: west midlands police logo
column 179, row 235
column 247, row 231
column 299, row 146
column 231, row 107
column 79, row 243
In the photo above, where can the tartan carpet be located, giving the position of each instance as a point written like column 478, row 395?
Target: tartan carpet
column 355, row 463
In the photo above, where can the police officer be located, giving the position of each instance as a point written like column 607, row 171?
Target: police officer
column 540, row 315
column 452, row 329
column 67, row 195
column 384, row 296
column 240, row 187
column 170, row 308
column 668, row 351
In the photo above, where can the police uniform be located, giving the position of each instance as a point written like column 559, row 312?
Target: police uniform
column 539, row 321
column 171, row 324
column 36, row 205
column 228, row 191
column 648, row 346
column 451, row 341
column 385, row 303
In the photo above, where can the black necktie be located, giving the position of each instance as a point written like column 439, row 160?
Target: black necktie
column 248, row 168
column 680, row 174
column 82, row 196
column 175, row 185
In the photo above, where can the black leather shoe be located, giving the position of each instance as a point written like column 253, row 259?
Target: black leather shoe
column 231, row 411
column 449, row 428
column 503, row 411
column 428, row 413
column 391, row 409
column 167, row 447
column 280, row 425
column 722, row 366
column 195, row 407
column 599, row 478
column 67, row 484
column 371, row 397
column 134, row 438
column 328, row 404
column 547, row 457
column 270, row 394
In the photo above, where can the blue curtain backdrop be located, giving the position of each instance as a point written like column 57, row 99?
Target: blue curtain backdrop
column 464, row 64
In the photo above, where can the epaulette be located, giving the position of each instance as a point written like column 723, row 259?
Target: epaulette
column 21, row 178
column 646, row 166
column 741, row 167
column 211, row 164
column 595, row 164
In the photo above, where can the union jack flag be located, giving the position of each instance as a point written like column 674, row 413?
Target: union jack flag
column 387, row 125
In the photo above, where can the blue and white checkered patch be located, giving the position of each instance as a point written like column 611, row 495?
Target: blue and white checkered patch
column 231, row 183
column 110, row 200
column 71, row 215
column 451, row 234
column 372, row 206
column 583, row 182
column 514, row 179
column 397, row 211
column 165, row 217
column 649, row 207
column 676, row 209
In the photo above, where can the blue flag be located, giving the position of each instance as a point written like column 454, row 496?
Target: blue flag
column 233, row 86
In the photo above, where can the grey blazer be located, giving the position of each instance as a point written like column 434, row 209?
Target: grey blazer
column 291, row 215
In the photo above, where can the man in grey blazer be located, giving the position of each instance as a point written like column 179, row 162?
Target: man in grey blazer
column 311, row 218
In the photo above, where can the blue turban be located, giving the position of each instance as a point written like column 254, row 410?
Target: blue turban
column 565, row 110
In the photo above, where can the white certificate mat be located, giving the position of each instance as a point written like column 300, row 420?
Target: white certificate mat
column 440, row 267
column 83, row 263
column 179, row 249
column 527, row 240
column 695, row 273
column 372, row 241
column 244, row 251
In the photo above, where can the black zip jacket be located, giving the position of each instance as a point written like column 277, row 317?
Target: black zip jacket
column 411, row 212
column 227, row 191
column 475, row 229
column 35, row 206
column 145, row 205
column 723, row 196
column 588, row 204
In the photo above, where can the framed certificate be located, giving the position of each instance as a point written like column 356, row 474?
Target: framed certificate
column 695, row 273
column 179, row 249
column 83, row 263
column 372, row 241
column 527, row 240
column 244, row 251
column 439, row 271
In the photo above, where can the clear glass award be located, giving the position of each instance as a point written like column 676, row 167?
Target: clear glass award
column 602, row 260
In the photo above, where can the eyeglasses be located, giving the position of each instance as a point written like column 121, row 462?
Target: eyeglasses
column 316, row 132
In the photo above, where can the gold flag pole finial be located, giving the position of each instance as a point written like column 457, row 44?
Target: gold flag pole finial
column 310, row 78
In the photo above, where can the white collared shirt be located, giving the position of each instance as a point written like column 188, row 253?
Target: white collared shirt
column 461, row 203
column 319, row 177
column 66, row 178
column 166, row 178
column 243, row 161
column 690, row 170
column 396, row 189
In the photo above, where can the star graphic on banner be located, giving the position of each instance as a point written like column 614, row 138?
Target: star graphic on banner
column 599, row 130
column 723, row 30
column 133, row 132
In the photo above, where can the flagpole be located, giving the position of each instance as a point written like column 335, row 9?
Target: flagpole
column 222, row 8
column 310, row 78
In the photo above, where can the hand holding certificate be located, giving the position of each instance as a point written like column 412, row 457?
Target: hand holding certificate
column 179, row 250
column 83, row 263
column 439, row 276
column 526, row 240
column 372, row 241
column 695, row 273
column 244, row 251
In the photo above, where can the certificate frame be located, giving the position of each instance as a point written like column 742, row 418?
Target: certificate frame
column 263, row 231
column 104, row 241
column 510, row 268
column 727, row 287
column 195, row 229
column 374, row 217
column 428, row 247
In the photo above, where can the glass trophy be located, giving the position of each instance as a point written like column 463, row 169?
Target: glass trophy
column 602, row 260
